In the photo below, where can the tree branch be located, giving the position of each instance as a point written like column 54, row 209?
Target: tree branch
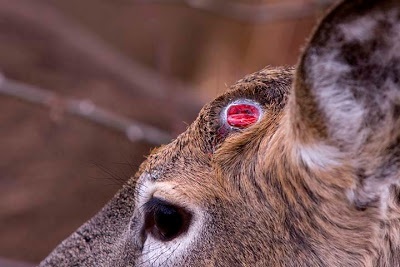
column 134, row 131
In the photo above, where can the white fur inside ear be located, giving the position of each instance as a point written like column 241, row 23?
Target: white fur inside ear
column 343, row 113
column 341, row 87
column 360, row 29
column 365, row 28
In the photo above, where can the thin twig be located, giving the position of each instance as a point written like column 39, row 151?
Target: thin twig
column 252, row 13
column 135, row 131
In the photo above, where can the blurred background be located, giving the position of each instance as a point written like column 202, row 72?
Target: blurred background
column 87, row 88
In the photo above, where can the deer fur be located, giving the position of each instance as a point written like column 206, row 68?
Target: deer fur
column 315, row 182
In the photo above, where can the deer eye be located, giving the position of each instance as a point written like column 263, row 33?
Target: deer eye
column 165, row 221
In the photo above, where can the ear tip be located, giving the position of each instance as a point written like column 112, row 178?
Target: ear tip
column 346, row 21
column 346, row 10
column 349, row 68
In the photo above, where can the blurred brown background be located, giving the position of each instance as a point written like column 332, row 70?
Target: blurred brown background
column 153, row 62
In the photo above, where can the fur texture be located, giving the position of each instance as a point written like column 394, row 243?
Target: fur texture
column 313, row 183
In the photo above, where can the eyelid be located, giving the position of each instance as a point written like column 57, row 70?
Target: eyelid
column 153, row 203
column 150, row 194
column 156, row 202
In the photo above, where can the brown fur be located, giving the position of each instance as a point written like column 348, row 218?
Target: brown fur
column 313, row 183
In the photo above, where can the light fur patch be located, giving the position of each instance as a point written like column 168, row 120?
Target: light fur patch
column 341, row 109
column 360, row 29
column 318, row 156
column 335, row 93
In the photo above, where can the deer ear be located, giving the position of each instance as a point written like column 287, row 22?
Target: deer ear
column 347, row 91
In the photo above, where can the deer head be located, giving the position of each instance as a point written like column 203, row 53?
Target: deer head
column 290, row 167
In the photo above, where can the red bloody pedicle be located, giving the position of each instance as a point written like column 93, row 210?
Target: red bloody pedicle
column 242, row 115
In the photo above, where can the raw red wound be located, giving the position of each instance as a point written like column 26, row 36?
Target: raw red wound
column 242, row 115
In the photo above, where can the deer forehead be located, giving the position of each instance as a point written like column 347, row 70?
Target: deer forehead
column 191, row 167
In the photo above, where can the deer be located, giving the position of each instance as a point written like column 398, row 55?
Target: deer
column 289, row 167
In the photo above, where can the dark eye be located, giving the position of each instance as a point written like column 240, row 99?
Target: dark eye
column 165, row 221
